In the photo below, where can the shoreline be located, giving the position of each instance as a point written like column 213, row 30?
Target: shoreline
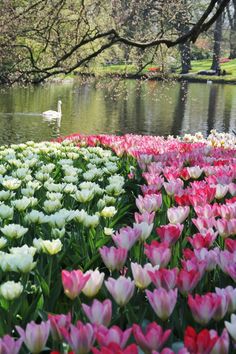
column 165, row 77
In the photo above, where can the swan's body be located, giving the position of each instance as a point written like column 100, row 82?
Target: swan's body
column 53, row 114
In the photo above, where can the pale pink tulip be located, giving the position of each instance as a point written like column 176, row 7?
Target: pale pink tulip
column 162, row 301
column 113, row 258
column 141, row 274
column 158, row 253
column 80, row 337
column 221, row 191
column 174, row 186
column 121, row 289
column 9, row 345
column 149, row 203
column 194, row 172
column 187, row 280
column 230, row 292
column 145, row 230
column 164, row 278
column 146, row 217
column 35, row 336
column 177, row 215
column 210, row 257
column 126, row 237
column 99, row 313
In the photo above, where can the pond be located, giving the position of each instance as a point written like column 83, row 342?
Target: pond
column 116, row 106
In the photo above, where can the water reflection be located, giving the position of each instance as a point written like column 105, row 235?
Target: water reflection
column 181, row 101
column 117, row 106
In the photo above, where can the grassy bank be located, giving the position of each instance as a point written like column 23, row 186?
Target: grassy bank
column 131, row 71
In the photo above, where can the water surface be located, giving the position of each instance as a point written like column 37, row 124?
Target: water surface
column 118, row 107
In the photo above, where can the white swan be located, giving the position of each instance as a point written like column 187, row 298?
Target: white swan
column 53, row 114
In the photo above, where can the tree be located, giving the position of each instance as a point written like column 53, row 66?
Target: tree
column 232, row 23
column 185, row 47
column 217, row 42
column 49, row 37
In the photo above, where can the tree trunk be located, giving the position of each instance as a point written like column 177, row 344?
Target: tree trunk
column 217, row 43
column 232, row 36
column 185, row 52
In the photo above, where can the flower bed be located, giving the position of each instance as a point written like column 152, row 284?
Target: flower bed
column 118, row 245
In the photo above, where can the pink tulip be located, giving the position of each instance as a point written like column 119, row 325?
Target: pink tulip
column 170, row 233
column 153, row 179
column 141, row 274
column 194, row 264
column 113, row 258
column 164, row 278
column 153, row 338
column 151, row 189
column 177, row 215
column 56, row 322
column 80, row 337
column 204, row 307
column 204, row 224
column 158, row 253
column 187, row 280
column 206, row 211
column 9, row 345
column 114, row 334
column 35, row 336
column 150, row 202
column 230, row 245
column 73, row 282
column 121, row 289
column 199, row 241
column 162, row 301
column 126, row 237
column 99, row 313
column 146, row 217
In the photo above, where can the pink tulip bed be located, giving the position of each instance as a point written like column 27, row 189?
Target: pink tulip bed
column 118, row 244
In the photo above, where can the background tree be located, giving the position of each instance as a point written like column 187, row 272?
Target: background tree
column 231, row 11
column 217, row 41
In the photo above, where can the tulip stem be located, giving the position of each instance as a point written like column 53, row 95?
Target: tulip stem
column 50, row 271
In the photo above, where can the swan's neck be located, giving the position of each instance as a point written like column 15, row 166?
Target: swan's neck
column 59, row 107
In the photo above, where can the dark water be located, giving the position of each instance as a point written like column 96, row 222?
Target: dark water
column 118, row 107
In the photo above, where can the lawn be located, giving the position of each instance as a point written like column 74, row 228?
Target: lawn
column 197, row 65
